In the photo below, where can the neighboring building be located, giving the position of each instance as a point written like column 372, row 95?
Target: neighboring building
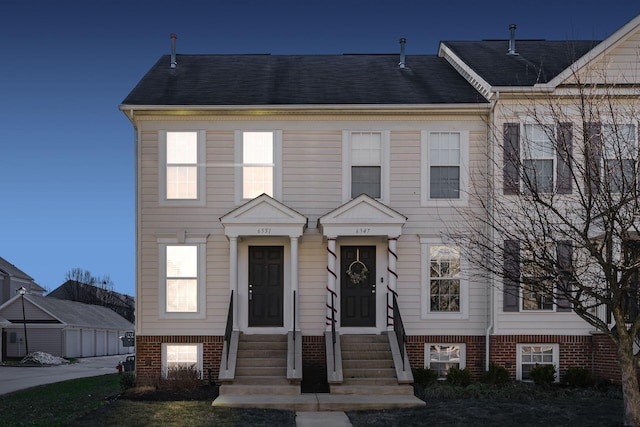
column 12, row 279
column 61, row 328
column 73, row 290
column 298, row 190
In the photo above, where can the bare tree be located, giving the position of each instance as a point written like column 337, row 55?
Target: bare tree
column 560, row 214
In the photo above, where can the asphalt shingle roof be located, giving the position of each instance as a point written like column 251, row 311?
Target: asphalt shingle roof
column 538, row 61
column 78, row 314
column 254, row 80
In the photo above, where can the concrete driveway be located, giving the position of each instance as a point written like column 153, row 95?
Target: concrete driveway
column 14, row 378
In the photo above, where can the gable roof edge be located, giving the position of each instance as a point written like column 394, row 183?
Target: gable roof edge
column 619, row 36
column 474, row 79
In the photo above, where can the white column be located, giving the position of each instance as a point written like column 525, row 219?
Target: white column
column 392, row 282
column 233, row 277
column 332, row 276
column 294, row 280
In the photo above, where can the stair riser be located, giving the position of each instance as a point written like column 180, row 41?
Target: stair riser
column 364, row 338
column 278, row 390
column 366, row 347
column 367, row 364
column 370, row 355
column 262, row 371
column 373, row 389
column 257, row 338
column 262, row 346
column 261, row 362
column 370, row 373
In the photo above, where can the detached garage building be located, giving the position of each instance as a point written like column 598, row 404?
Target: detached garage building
column 61, row 328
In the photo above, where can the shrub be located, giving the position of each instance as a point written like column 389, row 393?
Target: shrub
column 543, row 374
column 579, row 377
column 182, row 378
column 459, row 377
column 424, row 376
column 127, row 380
column 496, row 375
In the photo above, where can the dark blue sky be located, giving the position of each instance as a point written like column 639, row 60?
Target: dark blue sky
column 66, row 151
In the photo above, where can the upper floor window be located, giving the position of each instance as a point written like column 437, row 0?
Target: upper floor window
column 537, row 279
column 444, row 170
column 538, row 158
column 181, row 175
column 366, row 157
column 257, row 164
column 366, row 164
column 182, row 165
column 258, row 154
column 444, row 165
column 620, row 150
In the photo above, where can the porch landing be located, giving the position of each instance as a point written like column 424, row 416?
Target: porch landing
column 317, row 401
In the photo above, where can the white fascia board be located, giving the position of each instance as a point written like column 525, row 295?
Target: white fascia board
column 465, row 71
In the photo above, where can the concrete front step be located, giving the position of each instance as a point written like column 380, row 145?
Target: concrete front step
column 366, row 346
column 318, row 402
column 266, row 371
column 261, row 380
column 367, row 355
column 243, row 361
column 260, row 346
column 365, row 390
column 369, row 382
column 369, row 373
column 262, row 337
column 252, row 389
column 364, row 338
column 367, row 364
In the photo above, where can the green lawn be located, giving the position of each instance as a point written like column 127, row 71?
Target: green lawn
column 91, row 402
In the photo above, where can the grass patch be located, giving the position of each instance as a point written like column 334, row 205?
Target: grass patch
column 58, row 404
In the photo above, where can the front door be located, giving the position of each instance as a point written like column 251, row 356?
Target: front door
column 358, row 286
column 266, row 285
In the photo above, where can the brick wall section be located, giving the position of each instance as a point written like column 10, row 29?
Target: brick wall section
column 149, row 355
column 314, row 351
column 606, row 364
column 474, row 350
column 574, row 350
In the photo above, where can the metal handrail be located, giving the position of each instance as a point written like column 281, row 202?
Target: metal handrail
column 229, row 328
column 398, row 328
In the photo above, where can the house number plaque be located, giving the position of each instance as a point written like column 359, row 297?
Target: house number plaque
column 264, row 230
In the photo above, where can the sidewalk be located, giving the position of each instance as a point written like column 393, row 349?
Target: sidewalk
column 322, row 419
column 13, row 378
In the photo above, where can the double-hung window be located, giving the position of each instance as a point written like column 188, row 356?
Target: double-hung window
column 444, row 165
column 177, row 357
column 444, row 277
column 181, row 174
column 366, row 164
column 182, row 278
column 258, row 160
column 538, row 278
column 538, row 158
column 257, row 164
column 442, row 357
column 530, row 355
column 445, row 290
column 620, row 150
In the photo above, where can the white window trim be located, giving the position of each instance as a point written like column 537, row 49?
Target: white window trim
column 426, row 313
column 425, row 170
column 384, row 167
column 163, row 242
column 201, row 200
column 463, row 352
column 523, row 151
column 277, row 164
column 164, row 356
column 556, row 358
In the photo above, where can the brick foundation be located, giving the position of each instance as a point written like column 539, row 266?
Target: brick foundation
column 149, row 355
column 314, row 351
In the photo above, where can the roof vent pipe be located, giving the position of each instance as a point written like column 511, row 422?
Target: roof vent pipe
column 512, row 40
column 173, row 50
column 403, row 42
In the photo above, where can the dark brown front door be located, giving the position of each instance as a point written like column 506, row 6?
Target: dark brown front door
column 358, row 286
column 266, row 285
